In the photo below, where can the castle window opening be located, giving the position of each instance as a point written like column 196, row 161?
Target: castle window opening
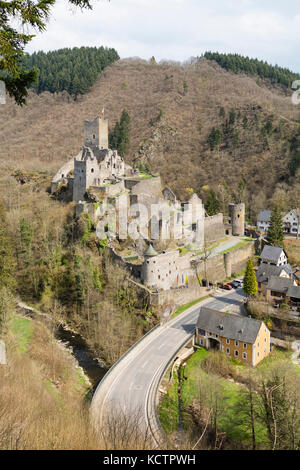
column 94, row 137
column 92, row 170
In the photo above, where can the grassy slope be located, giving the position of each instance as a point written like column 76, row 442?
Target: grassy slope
column 42, row 392
column 230, row 397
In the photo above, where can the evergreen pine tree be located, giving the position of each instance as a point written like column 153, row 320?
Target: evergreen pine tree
column 275, row 234
column 212, row 205
column 214, row 139
column 250, row 282
column 119, row 138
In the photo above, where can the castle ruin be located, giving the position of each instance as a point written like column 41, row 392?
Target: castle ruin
column 101, row 183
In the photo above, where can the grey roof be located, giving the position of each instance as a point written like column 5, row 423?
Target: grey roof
column 264, row 216
column 265, row 271
column 271, row 253
column 294, row 291
column 228, row 325
column 279, row 284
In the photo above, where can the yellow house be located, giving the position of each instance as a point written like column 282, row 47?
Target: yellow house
column 239, row 337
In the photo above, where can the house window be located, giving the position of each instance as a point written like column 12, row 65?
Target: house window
column 245, row 345
column 227, row 350
column 236, row 343
column 217, row 336
column 201, row 342
column 227, row 341
column 244, row 355
column 94, row 137
column 258, row 354
column 236, row 353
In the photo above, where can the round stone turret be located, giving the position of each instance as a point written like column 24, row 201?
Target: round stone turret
column 237, row 218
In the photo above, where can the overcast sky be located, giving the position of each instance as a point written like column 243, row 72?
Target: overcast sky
column 179, row 29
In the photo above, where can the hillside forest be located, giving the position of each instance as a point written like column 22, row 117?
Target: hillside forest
column 223, row 135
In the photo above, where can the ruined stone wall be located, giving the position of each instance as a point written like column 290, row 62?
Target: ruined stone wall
column 61, row 174
column 96, row 133
column 224, row 265
column 144, row 186
column 110, row 189
column 79, row 180
column 214, row 228
column 179, row 296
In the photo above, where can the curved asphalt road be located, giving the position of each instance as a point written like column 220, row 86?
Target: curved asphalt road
column 132, row 383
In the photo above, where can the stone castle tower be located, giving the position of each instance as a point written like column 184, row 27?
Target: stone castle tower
column 96, row 132
column 236, row 214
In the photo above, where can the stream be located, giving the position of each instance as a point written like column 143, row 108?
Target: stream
column 83, row 354
column 80, row 349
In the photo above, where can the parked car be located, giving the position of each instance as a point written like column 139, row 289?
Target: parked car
column 235, row 284
column 226, row 286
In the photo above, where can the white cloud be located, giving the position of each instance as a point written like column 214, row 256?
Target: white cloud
column 178, row 29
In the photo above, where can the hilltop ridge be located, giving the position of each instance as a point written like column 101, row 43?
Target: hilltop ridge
column 173, row 110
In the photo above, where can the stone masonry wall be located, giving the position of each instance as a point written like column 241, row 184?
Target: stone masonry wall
column 214, row 228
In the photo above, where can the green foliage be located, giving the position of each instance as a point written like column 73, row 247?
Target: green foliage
column 97, row 279
column 295, row 154
column 72, row 70
column 222, row 112
column 237, row 63
column 7, row 263
column 269, row 127
column 214, row 139
column 102, row 244
column 185, row 87
column 232, row 117
column 250, row 282
column 28, row 14
column 23, row 330
column 212, row 205
column 275, row 235
column 119, row 138
column 88, row 227
column 160, row 115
